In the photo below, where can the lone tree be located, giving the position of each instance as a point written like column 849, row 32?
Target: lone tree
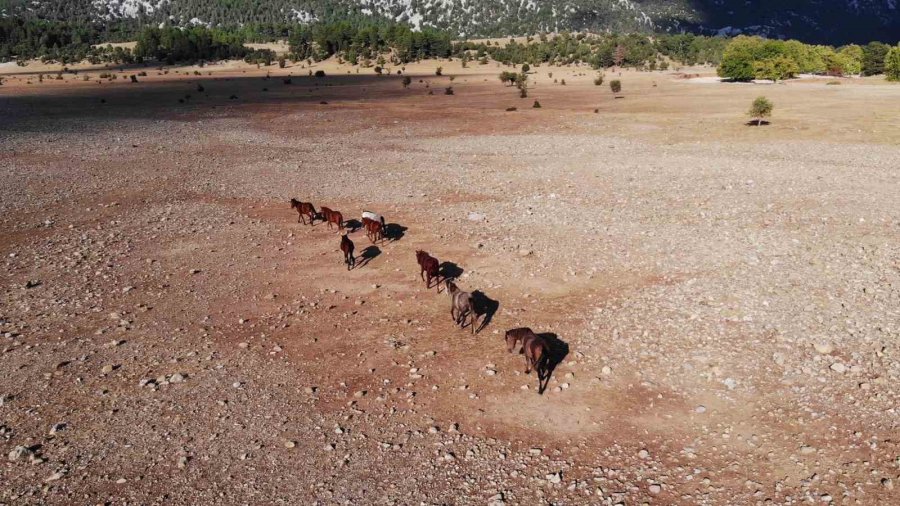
column 525, row 67
column 615, row 85
column 760, row 109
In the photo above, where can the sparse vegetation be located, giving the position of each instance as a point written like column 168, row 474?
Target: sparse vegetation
column 599, row 79
column 615, row 86
column 448, row 90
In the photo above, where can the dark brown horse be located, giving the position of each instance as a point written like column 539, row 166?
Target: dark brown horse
column 333, row 217
column 430, row 267
column 347, row 249
column 374, row 229
column 304, row 210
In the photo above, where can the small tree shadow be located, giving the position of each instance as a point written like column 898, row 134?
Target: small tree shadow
column 557, row 352
column 394, row 232
column 368, row 254
column 353, row 224
column 754, row 122
column 484, row 307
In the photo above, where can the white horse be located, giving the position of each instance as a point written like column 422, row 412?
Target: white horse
column 373, row 216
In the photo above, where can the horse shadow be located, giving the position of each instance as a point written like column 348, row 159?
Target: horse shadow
column 367, row 255
column 484, row 307
column 558, row 349
column 449, row 270
column 394, row 232
column 353, row 224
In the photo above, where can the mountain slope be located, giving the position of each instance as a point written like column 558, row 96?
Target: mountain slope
column 834, row 21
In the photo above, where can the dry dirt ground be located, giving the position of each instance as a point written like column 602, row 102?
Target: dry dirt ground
column 725, row 299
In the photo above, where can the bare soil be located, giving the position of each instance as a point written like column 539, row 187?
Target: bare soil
column 725, row 298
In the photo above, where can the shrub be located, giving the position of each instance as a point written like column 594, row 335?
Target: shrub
column 537, row 105
column 282, row 62
column 200, row 88
column 615, row 85
column 133, row 78
column 526, row 67
column 448, row 90
column 761, row 108
column 439, row 71
column 320, row 73
column 598, row 80
column 507, row 77
column 378, row 70
column 563, row 82
column 407, row 81
column 511, row 109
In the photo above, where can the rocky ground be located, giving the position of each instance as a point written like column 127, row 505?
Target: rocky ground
column 727, row 298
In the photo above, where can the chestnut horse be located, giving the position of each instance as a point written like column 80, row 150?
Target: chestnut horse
column 347, row 249
column 374, row 229
column 429, row 267
column 535, row 348
column 461, row 305
column 334, row 217
column 304, row 210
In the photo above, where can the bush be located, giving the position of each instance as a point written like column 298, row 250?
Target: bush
column 439, row 71
column 526, row 67
column 407, row 81
column 598, row 80
column 448, row 90
column 511, row 109
column 508, row 77
column 563, row 82
column 281, row 62
column 615, row 85
column 761, row 108
column 537, row 105
column 320, row 73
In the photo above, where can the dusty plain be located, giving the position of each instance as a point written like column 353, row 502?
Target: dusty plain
column 727, row 297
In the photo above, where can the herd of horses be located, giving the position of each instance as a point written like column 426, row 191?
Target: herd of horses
column 536, row 348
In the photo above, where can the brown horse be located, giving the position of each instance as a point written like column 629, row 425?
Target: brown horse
column 515, row 337
column 374, row 229
column 347, row 249
column 429, row 267
column 304, row 210
column 537, row 352
column 461, row 306
column 333, row 217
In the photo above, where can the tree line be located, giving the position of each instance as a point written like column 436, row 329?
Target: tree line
column 361, row 39
column 745, row 58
